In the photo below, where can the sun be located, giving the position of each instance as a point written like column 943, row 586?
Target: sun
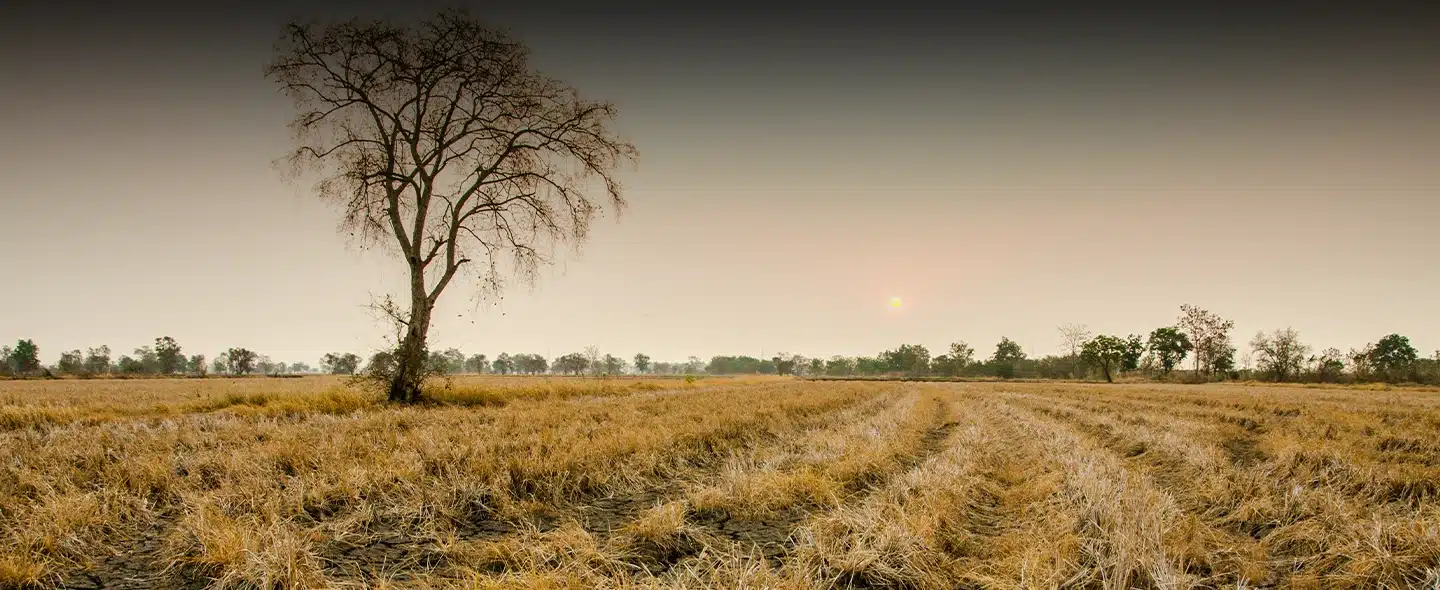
column 895, row 303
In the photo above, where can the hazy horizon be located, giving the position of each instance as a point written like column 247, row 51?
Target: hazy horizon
column 1002, row 173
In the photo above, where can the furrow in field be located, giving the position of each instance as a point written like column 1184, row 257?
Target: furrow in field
column 749, row 510
column 760, row 501
column 985, row 512
column 1197, row 476
column 1305, row 529
column 1126, row 519
column 245, row 498
column 590, row 518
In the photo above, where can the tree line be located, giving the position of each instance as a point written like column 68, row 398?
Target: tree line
column 1199, row 339
column 1198, row 347
column 165, row 358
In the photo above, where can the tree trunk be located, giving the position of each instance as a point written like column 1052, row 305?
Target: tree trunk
column 411, row 355
column 1106, row 366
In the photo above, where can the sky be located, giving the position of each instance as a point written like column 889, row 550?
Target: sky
column 1001, row 171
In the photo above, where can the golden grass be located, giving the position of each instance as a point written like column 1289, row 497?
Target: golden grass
column 763, row 483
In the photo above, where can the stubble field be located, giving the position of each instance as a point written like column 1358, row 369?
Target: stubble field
column 719, row 483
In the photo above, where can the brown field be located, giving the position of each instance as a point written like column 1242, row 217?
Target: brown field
column 719, row 483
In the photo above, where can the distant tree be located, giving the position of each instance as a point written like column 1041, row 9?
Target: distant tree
column 221, row 364
column 270, row 367
column 241, row 361
column 1106, row 353
column 614, row 365
column 446, row 362
column 434, row 363
column 801, row 363
column 149, row 361
column 197, row 365
column 71, row 363
column 529, row 364
column 97, row 360
column 1222, row 357
column 337, row 363
column 381, row 363
column 1134, row 350
column 571, row 364
column 961, row 354
column 168, row 358
column 1007, row 351
column 5, row 365
column 442, row 139
column 739, row 365
column 1210, row 335
column 908, row 358
column 784, row 365
column 1360, row 361
column 869, row 365
column 24, row 358
column 944, row 365
column 958, row 358
column 642, row 363
column 693, row 365
column 1330, row 365
column 1072, row 338
column 477, row 364
column 1007, row 355
column 1170, row 346
column 503, row 364
column 299, row 367
column 1280, row 353
column 130, row 366
column 592, row 356
column 340, row 363
column 816, row 366
column 1391, row 356
column 839, row 366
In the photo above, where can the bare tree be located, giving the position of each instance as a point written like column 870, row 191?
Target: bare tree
column 1280, row 353
column 592, row 359
column 1074, row 337
column 442, row 142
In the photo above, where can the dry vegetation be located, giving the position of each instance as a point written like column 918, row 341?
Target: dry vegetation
column 572, row 483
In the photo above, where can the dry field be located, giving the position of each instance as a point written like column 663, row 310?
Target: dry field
column 719, row 483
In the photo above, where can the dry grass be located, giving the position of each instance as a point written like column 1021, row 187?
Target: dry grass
column 772, row 483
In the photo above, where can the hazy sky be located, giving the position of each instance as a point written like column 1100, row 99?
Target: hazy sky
column 1003, row 173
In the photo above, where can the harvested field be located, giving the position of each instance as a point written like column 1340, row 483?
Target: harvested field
column 575, row 483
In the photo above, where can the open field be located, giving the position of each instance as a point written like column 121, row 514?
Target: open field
column 766, row 483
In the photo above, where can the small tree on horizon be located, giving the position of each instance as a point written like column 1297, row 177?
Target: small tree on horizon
column 71, row 363
column 1073, row 337
column 1280, row 353
column 1210, row 336
column 1170, row 346
column 241, row 361
column 1007, row 354
column 613, row 365
column 168, row 357
column 24, row 358
column 1106, row 353
column 97, row 360
column 1392, row 355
